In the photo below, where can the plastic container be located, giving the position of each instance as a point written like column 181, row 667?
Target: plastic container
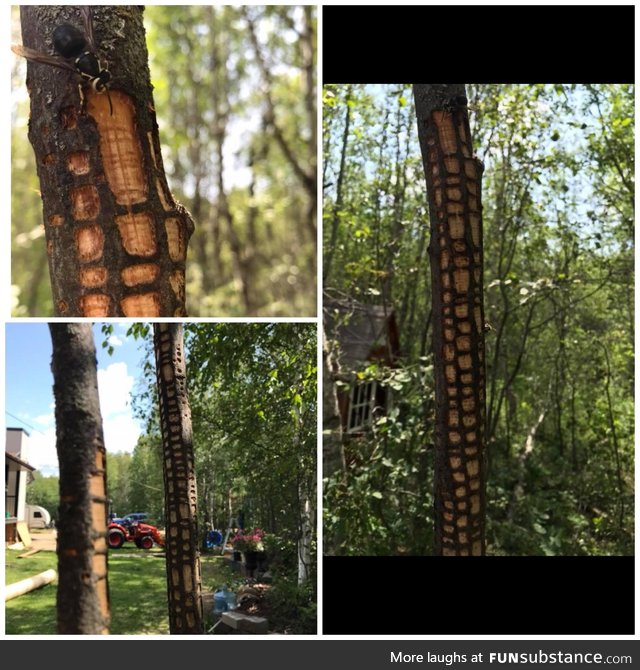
column 223, row 600
column 231, row 600
column 219, row 601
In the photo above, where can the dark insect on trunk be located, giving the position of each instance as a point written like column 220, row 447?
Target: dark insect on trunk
column 77, row 52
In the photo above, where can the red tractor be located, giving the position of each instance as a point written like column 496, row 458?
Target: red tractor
column 143, row 534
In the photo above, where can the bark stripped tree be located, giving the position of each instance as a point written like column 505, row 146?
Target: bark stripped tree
column 453, row 178
column 183, row 558
column 116, row 238
column 83, row 589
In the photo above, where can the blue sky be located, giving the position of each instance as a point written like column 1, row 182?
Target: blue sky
column 29, row 389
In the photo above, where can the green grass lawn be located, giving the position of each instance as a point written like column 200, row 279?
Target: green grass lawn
column 137, row 584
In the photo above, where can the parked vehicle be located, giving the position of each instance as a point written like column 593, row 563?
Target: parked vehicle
column 128, row 519
column 142, row 534
column 37, row 517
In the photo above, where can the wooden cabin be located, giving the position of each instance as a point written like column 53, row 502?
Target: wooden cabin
column 358, row 335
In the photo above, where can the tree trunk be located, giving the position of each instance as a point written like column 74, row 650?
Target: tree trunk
column 183, row 558
column 453, row 185
column 241, row 255
column 333, row 460
column 308, row 51
column 83, row 590
column 116, row 238
column 304, row 543
column 306, row 172
column 305, row 522
column 335, row 221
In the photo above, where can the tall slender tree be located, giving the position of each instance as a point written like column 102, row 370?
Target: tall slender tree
column 83, row 590
column 453, row 177
column 183, row 559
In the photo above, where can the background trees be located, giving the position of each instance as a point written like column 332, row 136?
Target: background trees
column 558, row 208
column 252, row 390
column 234, row 95
column 254, row 410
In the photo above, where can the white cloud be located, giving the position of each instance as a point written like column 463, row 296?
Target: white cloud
column 45, row 419
column 120, row 430
column 120, row 434
column 114, row 387
column 114, row 341
column 42, row 450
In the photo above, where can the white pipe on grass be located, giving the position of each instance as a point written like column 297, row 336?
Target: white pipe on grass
column 29, row 584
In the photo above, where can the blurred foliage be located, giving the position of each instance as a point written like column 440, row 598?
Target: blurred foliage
column 234, row 92
column 558, row 199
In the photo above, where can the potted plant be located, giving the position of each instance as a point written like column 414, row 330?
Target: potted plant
column 251, row 544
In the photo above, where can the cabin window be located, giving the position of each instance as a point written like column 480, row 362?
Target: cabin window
column 367, row 401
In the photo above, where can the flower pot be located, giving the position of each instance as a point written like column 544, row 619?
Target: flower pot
column 251, row 559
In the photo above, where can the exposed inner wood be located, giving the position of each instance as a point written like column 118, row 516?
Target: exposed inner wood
column 454, row 177
column 119, row 145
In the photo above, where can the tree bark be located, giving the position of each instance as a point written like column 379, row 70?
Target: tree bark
column 116, row 239
column 305, row 523
column 83, row 590
column 183, row 557
column 453, row 177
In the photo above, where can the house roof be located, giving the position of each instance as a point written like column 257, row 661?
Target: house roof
column 22, row 465
column 24, row 430
column 361, row 331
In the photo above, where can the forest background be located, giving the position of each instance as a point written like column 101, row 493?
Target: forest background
column 558, row 199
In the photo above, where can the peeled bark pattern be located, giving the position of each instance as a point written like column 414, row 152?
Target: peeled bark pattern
column 116, row 238
column 183, row 559
column 453, row 178
column 83, row 591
